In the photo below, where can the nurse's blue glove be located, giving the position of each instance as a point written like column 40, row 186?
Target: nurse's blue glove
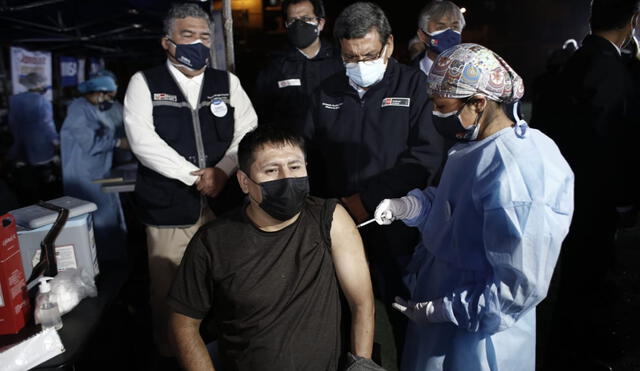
column 417, row 312
column 407, row 207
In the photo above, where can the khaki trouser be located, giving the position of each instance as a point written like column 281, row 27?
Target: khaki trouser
column 166, row 247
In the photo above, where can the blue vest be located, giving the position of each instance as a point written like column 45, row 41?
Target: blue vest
column 198, row 135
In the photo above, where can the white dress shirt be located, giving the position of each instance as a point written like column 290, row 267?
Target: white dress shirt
column 153, row 152
column 425, row 64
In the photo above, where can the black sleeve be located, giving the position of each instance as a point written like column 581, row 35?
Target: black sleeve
column 612, row 114
column 422, row 160
column 315, row 165
column 191, row 293
column 308, row 130
column 265, row 86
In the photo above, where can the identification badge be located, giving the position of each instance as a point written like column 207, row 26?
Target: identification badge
column 396, row 102
column 290, row 82
column 218, row 107
column 165, row 97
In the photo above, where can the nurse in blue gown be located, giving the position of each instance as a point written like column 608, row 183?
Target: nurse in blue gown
column 87, row 145
column 114, row 116
column 491, row 230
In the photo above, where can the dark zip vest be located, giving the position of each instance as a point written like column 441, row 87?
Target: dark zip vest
column 197, row 135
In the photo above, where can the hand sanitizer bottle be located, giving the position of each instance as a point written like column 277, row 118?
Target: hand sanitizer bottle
column 47, row 313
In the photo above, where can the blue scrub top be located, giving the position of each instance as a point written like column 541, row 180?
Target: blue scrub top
column 31, row 124
column 491, row 236
column 87, row 145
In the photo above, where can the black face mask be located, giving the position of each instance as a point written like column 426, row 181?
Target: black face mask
column 450, row 126
column 105, row 105
column 194, row 55
column 302, row 34
column 284, row 198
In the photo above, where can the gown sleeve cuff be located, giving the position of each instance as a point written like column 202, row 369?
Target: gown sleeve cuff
column 424, row 203
column 440, row 312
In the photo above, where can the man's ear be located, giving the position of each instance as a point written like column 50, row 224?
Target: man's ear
column 421, row 35
column 165, row 42
column 321, row 23
column 243, row 181
column 479, row 103
column 390, row 46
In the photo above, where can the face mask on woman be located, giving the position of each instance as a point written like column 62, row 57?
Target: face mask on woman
column 450, row 126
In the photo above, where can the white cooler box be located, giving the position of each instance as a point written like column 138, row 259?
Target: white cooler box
column 75, row 245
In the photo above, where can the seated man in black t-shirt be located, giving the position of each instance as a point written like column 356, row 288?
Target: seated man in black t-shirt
column 271, row 272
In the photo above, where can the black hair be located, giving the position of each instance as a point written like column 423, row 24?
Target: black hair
column 262, row 135
column 612, row 14
column 358, row 19
column 318, row 7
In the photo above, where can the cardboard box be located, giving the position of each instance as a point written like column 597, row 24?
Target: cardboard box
column 14, row 300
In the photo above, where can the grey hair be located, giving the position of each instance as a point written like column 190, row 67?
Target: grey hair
column 358, row 19
column 184, row 10
column 436, row 10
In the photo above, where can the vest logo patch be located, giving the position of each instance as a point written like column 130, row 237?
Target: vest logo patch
column 331, row 105
column 396, row 102
column 223, row 97
column 290, row 82
column 165, row 97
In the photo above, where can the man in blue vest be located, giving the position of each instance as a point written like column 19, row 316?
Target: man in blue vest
column 184, row 121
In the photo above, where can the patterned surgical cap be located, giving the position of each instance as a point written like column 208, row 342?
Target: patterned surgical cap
column 468, row 69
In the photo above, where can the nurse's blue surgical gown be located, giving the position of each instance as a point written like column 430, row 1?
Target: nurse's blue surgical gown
column 87, row 145
column 491, row 236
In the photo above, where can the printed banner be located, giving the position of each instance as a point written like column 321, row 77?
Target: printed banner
column 23, row 62
column 69, row 71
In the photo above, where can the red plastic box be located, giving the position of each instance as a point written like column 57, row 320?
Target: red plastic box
column 14, row 300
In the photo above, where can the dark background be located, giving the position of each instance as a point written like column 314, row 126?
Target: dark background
column 126, row 32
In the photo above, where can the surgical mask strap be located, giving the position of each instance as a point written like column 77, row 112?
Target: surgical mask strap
column 259, row 186
column 256, row 183
column 521, row 124
column 176, row 65
column 476, row 131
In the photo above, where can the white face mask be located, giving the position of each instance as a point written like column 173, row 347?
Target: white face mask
column 365, row 74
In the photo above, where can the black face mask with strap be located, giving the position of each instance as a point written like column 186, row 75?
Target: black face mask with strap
column 302, row 34
column 283, row 198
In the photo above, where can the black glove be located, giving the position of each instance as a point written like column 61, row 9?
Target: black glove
column 357, row 363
